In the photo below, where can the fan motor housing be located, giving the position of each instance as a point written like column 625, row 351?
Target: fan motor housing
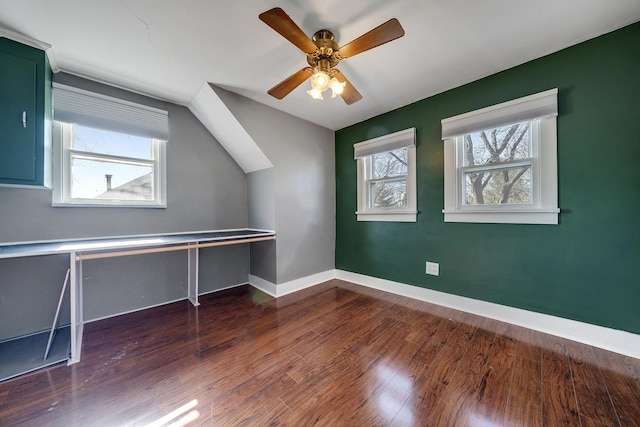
column 327, row 49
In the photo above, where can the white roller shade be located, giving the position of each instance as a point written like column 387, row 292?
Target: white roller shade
column 393, row 141
column 73, row 105
column 543, row 104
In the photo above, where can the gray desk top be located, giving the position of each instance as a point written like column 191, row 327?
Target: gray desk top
column 15, row 250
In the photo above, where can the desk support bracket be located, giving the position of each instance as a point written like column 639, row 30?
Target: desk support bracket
column 77, row 323
column 192, row 291
column 56, row 318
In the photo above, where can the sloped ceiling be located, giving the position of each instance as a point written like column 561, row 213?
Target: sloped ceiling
column 170, row 49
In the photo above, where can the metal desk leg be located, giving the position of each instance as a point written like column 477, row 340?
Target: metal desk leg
column 76, row 308
column 192, row 293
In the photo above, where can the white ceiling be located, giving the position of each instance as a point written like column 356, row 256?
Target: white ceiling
column 169, row 49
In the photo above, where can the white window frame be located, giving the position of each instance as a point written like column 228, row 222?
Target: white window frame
column 74, row 105
column 541, row 111
column 363, row 152
column 63, row 142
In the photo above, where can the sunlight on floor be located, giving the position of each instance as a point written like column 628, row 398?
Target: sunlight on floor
column 396, row 386
column 179, row 417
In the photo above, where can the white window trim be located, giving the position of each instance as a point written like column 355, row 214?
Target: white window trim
column 542, row 109
column 402, row 139
column 62, row 173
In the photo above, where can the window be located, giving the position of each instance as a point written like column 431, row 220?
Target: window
column 110, row 152
column 387, row 177
column 496, row 166
column 501, row 163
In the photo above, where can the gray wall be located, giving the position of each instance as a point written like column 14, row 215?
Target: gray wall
column 303, row 184
column 205, row 190
column 261, row 193
column 29, row 292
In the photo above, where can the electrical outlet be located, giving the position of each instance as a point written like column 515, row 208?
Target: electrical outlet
column 433, row 268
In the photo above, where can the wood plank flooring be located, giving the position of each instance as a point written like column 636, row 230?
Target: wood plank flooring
column 336, row 354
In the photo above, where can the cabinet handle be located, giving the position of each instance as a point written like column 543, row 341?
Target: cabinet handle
column 24, row 119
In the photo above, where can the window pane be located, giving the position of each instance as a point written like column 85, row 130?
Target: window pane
column 388, row 194
column 389, row 164
column 498, row 145
column 95, row 179
column 502, row 186
column 106, row 142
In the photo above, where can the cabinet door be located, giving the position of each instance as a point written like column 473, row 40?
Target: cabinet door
column 17, row 118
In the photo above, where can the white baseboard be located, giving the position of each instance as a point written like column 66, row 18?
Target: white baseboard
column 598, row 336
column 264, row 285
column 291, row 286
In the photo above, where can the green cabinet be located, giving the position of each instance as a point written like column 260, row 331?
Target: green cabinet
column 25, row 115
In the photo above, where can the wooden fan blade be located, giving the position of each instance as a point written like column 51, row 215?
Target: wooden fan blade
column 349, row 94
column 380, row 35
column 283, row 88
column 277, row 19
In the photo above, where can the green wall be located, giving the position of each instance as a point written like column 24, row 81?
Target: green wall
column 587, row 268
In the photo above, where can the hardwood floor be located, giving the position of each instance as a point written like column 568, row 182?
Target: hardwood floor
column 335, row 354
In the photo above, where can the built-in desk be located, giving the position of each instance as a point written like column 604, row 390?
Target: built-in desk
column 88, row 249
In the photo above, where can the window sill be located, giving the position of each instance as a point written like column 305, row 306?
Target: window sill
column 105, row 205
column 388, row 216
column 510, row 216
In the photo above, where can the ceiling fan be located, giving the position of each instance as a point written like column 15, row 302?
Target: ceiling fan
column 323, row 54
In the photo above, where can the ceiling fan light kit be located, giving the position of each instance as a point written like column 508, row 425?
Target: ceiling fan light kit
column 323, row 78
column 320, row 82
column 324, row 54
